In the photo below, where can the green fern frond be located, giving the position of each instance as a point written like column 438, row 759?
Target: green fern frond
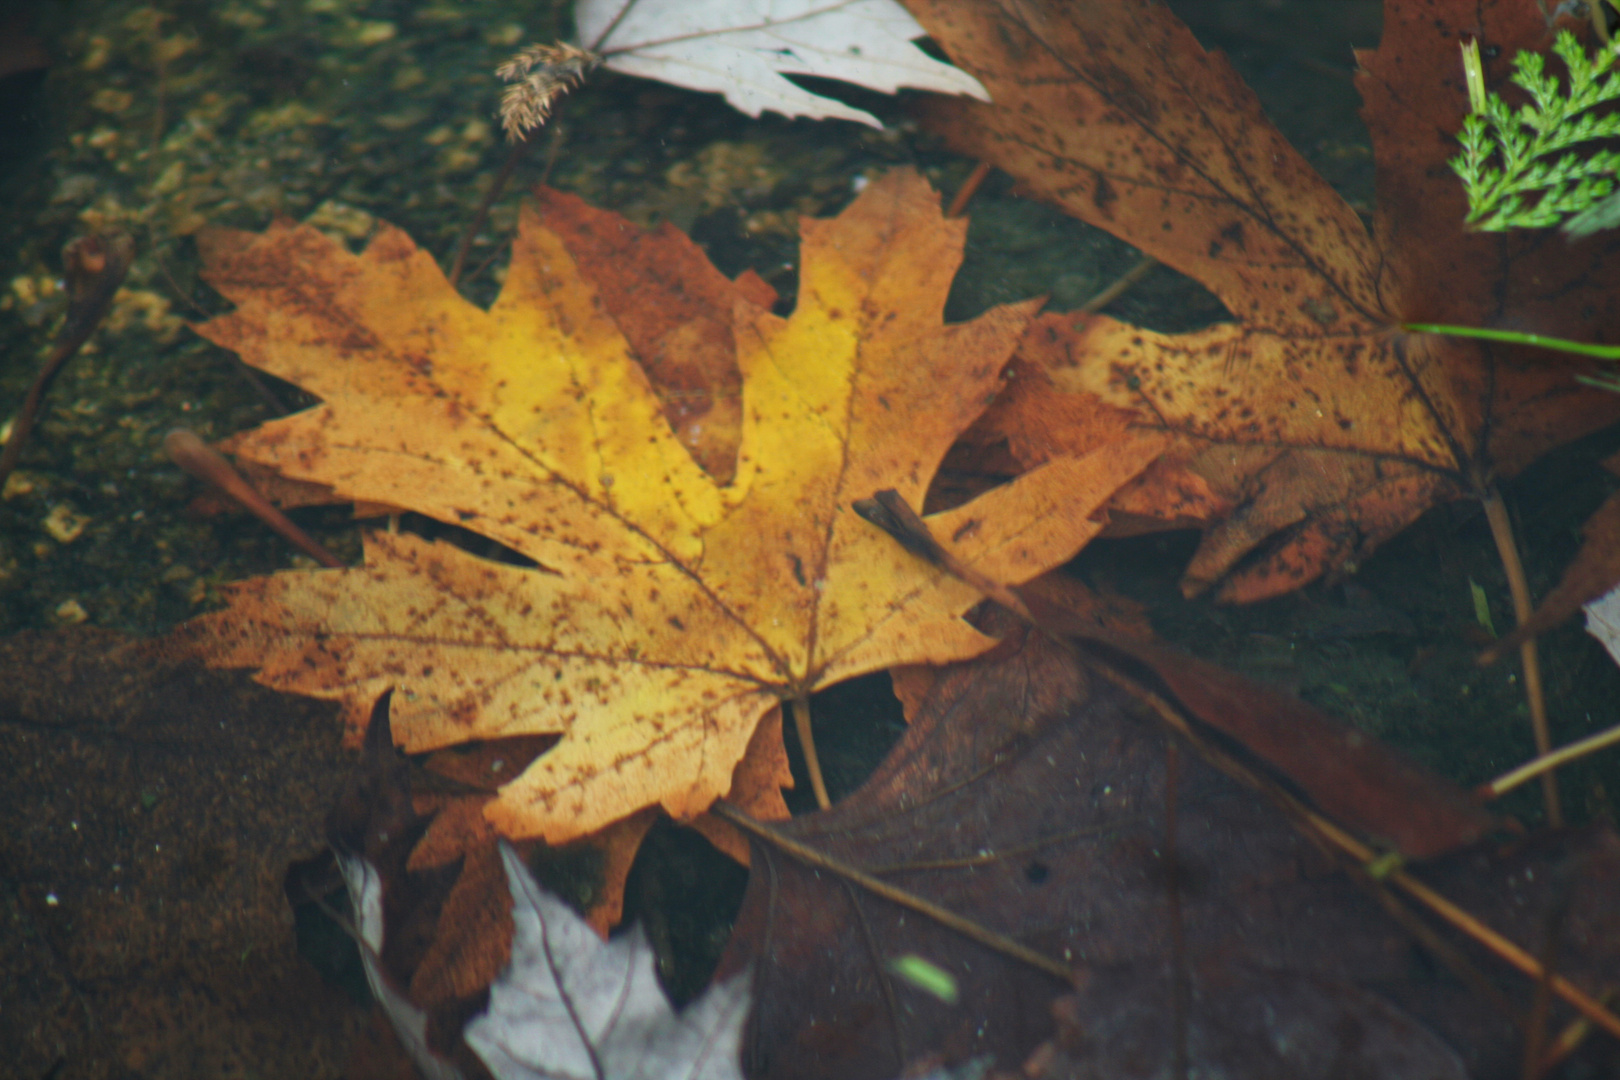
column 1532, row 167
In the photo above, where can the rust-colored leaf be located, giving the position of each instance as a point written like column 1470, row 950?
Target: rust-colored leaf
column 1311, row 428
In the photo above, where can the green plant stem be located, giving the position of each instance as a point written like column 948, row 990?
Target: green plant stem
column 1514, row 337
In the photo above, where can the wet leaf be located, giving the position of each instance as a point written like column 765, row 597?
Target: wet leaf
column 742, row 49
column 1311, row 428
column 1030, row 795
column 573, row 1007
column 667, row 614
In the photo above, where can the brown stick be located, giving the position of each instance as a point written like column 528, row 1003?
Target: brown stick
column 1540, row 764
column 878, row 887
column 199, row 459
column 1314, row 825
column 481, row 214
column 1505, row 949
column 1502, row 532
column 969, row 188
column 1121, row 285
column 95, row 266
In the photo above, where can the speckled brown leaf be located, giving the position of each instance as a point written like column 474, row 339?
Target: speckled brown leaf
column 1311, row 428
column 667, row 613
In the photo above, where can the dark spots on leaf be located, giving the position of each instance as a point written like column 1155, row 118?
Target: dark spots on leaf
column 967, row 528
column 676, row 623
column 1103, row 196
column 798, row 570
column 1037, row 872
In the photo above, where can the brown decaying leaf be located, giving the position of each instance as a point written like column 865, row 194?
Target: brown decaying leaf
column 1312, row 428
column 1354, row 779
column 669, row 613
column 1029, row 794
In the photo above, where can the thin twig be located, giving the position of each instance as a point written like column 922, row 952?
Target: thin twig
column 480, row 215
column 1120, row 286
column 1534, row 1063
column 1504, row 948
column 1502, row 532
column 810, row 856
column 969, row 188
column 1542, row 763
column 199, row 459
column 95, row 266
column 1574, row 1034
column 1316, row 826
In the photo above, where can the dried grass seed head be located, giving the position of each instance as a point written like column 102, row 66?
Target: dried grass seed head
column 539, row 75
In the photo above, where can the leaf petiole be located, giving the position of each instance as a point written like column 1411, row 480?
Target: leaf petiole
column 1514, row 337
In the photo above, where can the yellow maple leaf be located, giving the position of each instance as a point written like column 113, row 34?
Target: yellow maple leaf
column 668, row 613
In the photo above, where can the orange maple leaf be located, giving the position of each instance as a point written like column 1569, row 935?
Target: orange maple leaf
column 1312, row 428
column 666, row 613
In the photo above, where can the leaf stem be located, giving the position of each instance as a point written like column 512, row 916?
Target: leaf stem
column 1502, row 532
column 807, row 743
column 1514, row 337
